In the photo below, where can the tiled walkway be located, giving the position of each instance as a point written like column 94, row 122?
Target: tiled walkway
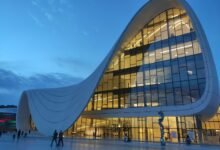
column 37, row 143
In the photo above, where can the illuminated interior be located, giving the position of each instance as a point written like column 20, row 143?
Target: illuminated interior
column 147, row 129
column 161, row 66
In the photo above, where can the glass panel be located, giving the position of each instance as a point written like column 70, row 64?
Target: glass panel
column 161, row 65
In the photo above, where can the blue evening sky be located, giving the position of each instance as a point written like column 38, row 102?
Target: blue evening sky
column 51, row 43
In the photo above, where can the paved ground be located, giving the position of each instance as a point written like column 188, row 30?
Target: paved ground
column 36, row 143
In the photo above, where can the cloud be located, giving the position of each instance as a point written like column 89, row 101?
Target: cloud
column 48, row 9
column 9, row 80
column 4, row 64
column 36, row 20
column 51, row 2
column 46, row 12
column 13, row 64
column 73, row 63
column 48, row 16
column 85, row 33
column 60, row 10
column 4, row 91
column 51, row 80
column 76, row 65
column 34, row 3
column 63, row 1
column 12, row 84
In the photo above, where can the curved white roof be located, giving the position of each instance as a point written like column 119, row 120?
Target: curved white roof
column 59, row 108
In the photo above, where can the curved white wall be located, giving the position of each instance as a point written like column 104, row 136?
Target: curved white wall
column 59, row 108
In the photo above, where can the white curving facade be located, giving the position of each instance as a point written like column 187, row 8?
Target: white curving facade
column 59, row 108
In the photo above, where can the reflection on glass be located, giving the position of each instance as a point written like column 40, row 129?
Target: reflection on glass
column 144, row 128
column 163, row 61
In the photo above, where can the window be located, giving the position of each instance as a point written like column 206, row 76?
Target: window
column 201, row 73
column 127, row 61
column 166, row 69
column 193, row 84
column 140, row 79
column 195, row 95
column 140, row 99
column 133, row 60
column 133, row 79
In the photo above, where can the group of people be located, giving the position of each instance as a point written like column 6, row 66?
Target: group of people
column 59, row 136
column 16, row 134
column 19, row 134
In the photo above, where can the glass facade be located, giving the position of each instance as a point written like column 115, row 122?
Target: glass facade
column 147, row 129
column 161, row 66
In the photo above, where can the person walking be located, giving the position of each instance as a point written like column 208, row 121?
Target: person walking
column 13, row 136
column 54, row 138
column 18, row 134
column 60, row 138
column 125, row 137
column 188, row 140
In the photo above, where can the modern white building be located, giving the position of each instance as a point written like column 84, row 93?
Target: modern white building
column 161, row 62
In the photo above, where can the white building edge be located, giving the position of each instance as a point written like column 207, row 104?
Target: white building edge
column 59, row 108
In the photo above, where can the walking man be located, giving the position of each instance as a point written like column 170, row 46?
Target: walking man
column 54, row 138
column 18, row 134
column 60, row 138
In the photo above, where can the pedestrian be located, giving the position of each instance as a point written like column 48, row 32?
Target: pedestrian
column 219, row 138
column 22, row 132
column 94, row 135
column 60, row 138
column 54, row 138
column 18, row 134
column 13, row 136
column 25, row 134
column 188, row 140
column 125, row 137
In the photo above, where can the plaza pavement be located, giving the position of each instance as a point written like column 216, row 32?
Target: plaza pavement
column 43, row 143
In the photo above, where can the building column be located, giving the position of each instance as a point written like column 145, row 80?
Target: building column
column 178, row 129
column 199, row 128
